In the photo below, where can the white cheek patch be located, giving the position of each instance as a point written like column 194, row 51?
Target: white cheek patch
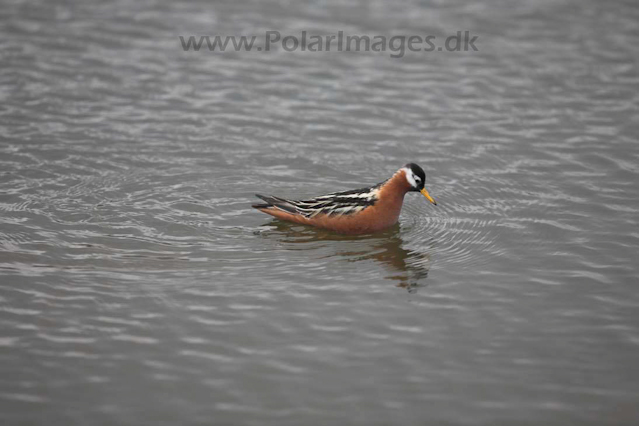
column 410, row 177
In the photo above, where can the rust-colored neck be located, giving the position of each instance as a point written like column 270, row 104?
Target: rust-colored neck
column 391, row 198
column 397, row 185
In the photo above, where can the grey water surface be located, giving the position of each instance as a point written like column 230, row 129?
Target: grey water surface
column 138, row 286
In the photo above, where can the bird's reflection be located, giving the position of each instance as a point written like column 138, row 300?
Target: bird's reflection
column 409, row 268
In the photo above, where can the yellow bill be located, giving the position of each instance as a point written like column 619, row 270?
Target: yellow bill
column 427, row 195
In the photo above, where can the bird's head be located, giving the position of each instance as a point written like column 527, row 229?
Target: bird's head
column 416, row 178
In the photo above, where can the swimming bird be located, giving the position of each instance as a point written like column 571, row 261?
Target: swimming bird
column 358, row 211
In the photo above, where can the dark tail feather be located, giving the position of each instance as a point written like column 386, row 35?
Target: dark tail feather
column 262, row 206
column 268, row 200
column 279, row 203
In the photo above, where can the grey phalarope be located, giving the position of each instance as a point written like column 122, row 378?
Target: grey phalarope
column 357, row 211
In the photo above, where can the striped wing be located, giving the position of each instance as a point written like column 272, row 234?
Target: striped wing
column 335, row 204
